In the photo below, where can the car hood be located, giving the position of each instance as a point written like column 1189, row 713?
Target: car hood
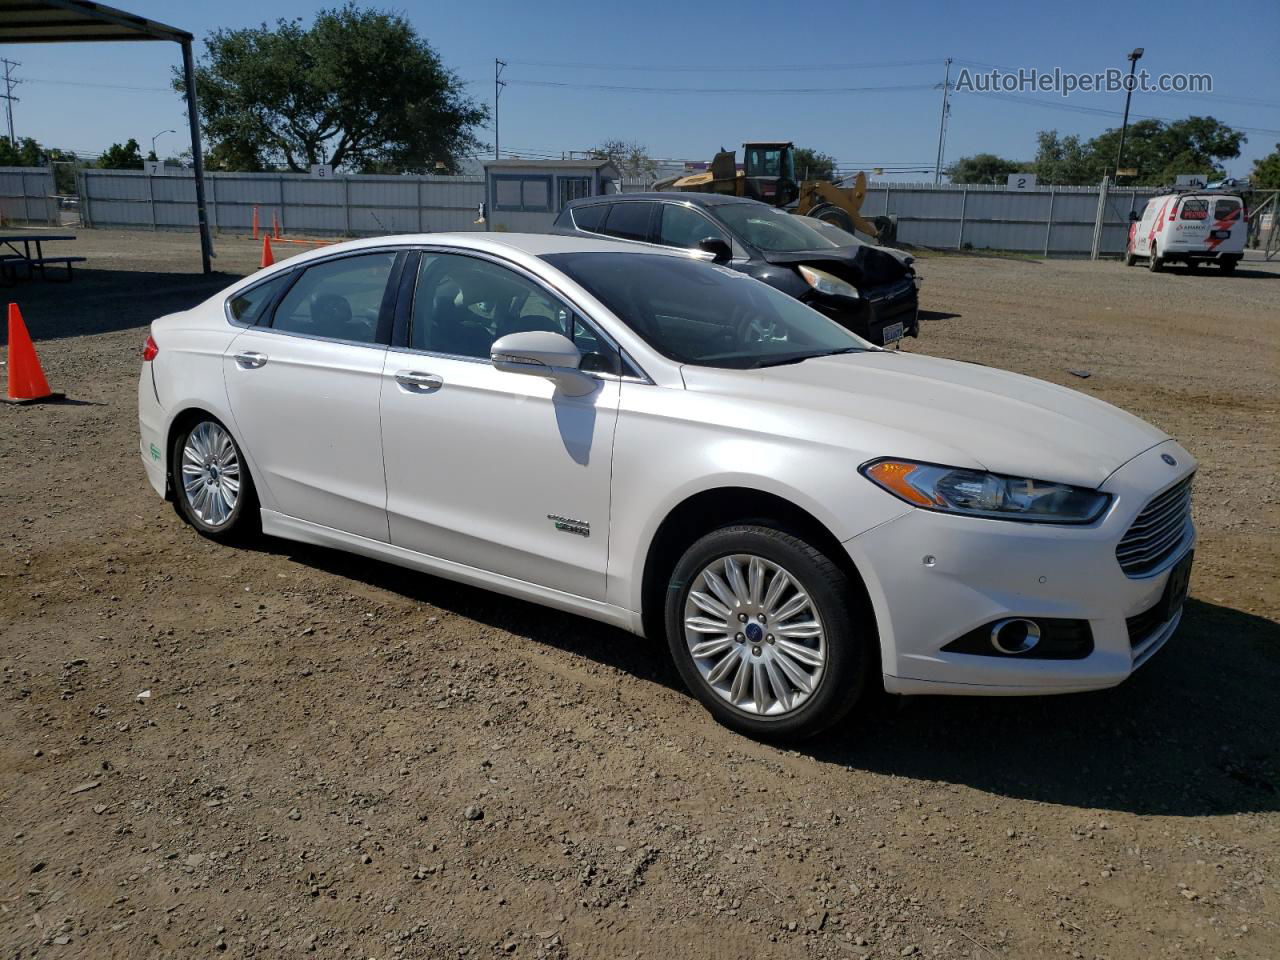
column 861, row 265
column 941, row 411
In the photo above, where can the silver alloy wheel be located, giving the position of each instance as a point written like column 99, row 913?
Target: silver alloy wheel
column 210, row 473
column 755, row 635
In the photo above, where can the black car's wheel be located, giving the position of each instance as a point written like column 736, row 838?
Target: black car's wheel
column 212, row 488
column 763, row 631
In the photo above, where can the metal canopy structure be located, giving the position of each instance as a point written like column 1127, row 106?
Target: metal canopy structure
column 80, row 21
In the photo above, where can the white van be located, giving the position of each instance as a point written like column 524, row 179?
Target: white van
column 1189, row 228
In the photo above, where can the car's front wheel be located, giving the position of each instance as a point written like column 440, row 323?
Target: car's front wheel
column 212, row 489
column 765, row 631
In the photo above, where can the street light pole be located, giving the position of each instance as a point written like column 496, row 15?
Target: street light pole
column 153, row 142
column 1128, row 95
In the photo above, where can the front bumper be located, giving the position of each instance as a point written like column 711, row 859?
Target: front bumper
column 935, row 577
column 880, row 307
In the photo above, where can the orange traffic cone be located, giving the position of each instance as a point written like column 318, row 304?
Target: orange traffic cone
column 26, row 380
column 267, row 258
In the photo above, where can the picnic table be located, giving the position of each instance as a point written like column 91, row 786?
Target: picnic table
column 11, row 259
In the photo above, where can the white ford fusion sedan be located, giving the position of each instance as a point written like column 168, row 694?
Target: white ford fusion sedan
column 663, row 444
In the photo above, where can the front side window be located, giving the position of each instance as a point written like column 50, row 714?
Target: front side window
column 629, row 220
column 463, row 304
column 681, row 226
column 338, row 299
column 695, row 312
column 247, row 305
column 771, row 230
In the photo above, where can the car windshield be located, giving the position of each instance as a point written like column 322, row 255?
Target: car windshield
column 695, row 312
column 768, row 229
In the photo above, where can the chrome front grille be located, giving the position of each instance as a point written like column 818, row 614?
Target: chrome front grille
column 1157, row 532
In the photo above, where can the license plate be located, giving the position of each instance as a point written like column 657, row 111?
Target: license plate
column 1176, row 588
column 892, row 333
column 1222, row 234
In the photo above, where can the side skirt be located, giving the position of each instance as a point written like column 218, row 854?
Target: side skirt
column 289, row 528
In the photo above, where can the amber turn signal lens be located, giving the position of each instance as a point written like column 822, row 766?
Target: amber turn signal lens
column 893, row 475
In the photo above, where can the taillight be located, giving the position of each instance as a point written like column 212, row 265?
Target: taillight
column 150, row 348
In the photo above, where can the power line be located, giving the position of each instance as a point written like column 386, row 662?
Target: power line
column 730, row 90
column 109, row 86
column 728, row 68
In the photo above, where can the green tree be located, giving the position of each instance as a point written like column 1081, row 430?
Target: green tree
column 629, row 156
column 1063, row 160
column 1266, row 171
column 26, row 153
column 983, row 168
column 126, row 156
column 357, row 88
column 1159, row 151
column 813, row 165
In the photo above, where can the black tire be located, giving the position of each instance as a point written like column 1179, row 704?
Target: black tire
column 1154, row 263
column 849, row 634
column 243, row 521
column 1130, row 259
column 1227, row 266
column 828, row 213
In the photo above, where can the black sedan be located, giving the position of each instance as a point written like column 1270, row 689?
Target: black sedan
column 862, row 287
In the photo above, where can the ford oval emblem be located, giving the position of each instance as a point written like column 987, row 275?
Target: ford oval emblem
column 1168, row 459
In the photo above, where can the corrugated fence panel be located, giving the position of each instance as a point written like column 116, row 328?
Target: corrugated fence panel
column 25, row 194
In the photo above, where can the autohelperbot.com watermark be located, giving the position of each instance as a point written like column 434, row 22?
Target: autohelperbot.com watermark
column 1065, row 82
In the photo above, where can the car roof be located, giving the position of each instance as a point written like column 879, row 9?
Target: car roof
column 681, row 196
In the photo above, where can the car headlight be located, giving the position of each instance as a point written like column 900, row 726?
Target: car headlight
column 824, row 282
column 975, row 493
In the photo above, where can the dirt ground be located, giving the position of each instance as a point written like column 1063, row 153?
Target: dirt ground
column 343, row 759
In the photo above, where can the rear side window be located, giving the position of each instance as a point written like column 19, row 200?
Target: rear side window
column 338, row 299
column 246, row 306
column 1195, row 208
column 588, row 218
column 629, row 221
column 1226, row 210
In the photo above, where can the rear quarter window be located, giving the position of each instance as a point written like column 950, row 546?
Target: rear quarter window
column 589, row 217
column 246, row 306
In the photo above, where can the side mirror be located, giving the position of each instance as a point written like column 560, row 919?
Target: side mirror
column 541, row 353
column 1134, row 216
column 720, row 251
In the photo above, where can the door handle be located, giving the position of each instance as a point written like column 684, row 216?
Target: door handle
column 419, row 382
column 250, row 360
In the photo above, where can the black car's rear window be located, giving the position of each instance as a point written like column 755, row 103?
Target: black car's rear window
column 696, row 312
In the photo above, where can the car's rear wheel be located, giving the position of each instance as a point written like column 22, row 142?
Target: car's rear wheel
column 212, row 489
column 1129, row 258
column 1154, row 263
column 763, row 630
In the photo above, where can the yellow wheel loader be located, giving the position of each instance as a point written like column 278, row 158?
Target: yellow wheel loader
column 768, row 174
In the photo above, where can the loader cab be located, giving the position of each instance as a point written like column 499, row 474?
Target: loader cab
column 769, row 172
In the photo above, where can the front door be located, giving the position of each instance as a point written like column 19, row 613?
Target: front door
column 303, row 387
column 497, row 471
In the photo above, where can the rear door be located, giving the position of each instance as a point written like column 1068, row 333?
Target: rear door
column 303, row 387
column 1191, row 224
column 1227, row 228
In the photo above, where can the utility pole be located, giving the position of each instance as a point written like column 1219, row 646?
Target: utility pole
column 9, row 83
column 1128, row 95
column 942, row 122
column 498, row 84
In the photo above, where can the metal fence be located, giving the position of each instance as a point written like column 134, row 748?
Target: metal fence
column 26, row 194
column 343, row 205
column 1043, row 220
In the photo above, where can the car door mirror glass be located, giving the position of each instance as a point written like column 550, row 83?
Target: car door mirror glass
column 541, row 353
column 720, row 251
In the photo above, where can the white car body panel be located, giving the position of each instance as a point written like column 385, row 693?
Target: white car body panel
column 469, row 481
column 1164, row 228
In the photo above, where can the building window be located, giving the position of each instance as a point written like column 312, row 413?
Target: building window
column 530, row 194
column 573, row 188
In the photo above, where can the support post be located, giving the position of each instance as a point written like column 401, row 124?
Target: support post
column 964, row 203
column 197, row 156
column 1048, row 227
column 1096, row 248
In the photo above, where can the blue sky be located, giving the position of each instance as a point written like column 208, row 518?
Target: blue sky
column 74, row 96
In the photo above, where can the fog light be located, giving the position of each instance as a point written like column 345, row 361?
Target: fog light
column 1015, row 635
